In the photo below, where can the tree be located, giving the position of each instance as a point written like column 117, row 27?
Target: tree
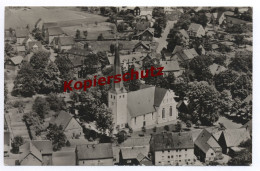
column 16, row 143
column 104, row 120
column 242, row 62
column 77, row 34
column 40, row 60
column 166, row 128
column 242, row 87
column 85, row 33
column 112, row 48
column 65, row 68
column 198, row 123
column 178, row 126
column 226, row 102
column 200, row 18
column 34, row 123
column 56, row 135
column 203, row 101
column 5, row 93
column 225, row 79
column 41, row 107
column 56, row 103
column 121, row 136
column 239, row 39
column 26, row 82
column 188, row 124
column 100, row 37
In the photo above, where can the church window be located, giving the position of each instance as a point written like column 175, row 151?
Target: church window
column 144, row 117
column 135, row 120
column 123, row 96
column 111, row 96
column 114, row 97
column 170, row 110
column 163, row 113
column 119, row 97
column 144, row 123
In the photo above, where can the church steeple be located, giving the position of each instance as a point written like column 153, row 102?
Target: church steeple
column 117, row 87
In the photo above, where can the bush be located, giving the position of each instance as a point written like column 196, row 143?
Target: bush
column 18, row 103
column 154, row 129
column 166, row 128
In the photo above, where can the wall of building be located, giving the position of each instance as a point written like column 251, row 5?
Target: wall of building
column 148, row 119
column 98, row 162
column 73, row 129
column 20, row 40
column 31, row 160
column 174, row 157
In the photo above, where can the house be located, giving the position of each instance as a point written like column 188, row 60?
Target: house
column 21, row 35
column 63, row 43
column 43, row 146
column 30, row 156
column 14, row 63
column 53, row 32
column 146, row 35
column 34, row 46
column 206, row 147
column 95, row 154
column 145, row 107
column 232, row 138
column 196, row 30
column 142, row 47
column 10, row 35
column 146, row 11
column 142, row 26
column 216, row 69
column 172, row 149
column 70, row 126
column 45, row 27
column 248, row 127
column 20, row 50
column 134, row 156
column 27, row 40
column 185, row 36
column 170, row 67
column 185, row 55
column 218, row 17
column 76, row 142
column 65, row 157
column 7, row 142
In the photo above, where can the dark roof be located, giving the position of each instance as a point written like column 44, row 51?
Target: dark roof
column 234, row 137
column 21, row 33
column 184, row 33
column 33, row 43
column 63, row 119
column 142, row 25
column 64, row 157
column 53, row 31
column 27, row 149
column 44, row 146
column 95, row 151
column 171, row 141
column 149, row 30
column 64, row 41
column 142, row 44
column 134, row 152
column 205, row 141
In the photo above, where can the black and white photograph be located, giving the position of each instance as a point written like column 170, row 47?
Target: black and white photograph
column 128, row 85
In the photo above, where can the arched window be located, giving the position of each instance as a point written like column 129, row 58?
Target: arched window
column 163, row 113
column 170, row 110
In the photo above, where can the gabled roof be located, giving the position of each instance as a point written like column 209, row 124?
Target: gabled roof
column 248, row 126
column 63, row 119
column 136, row 142
column 187, row 54
column 184, row 33
column 64, row 157
column 194, row 27
column 30, row 149
column 35, row 43
column 21, row 33
column 234, row 137
column 142, row 25
column 95, row 151
column 248, row 99
column 44, row 146
column 171, row 141
column 20, row 48
column 80, row 52
column 17, row 60
column 216, row 69
column 134, row 152
column 150, row 30
column 142, row 44
column 54, row 31
column 205, row 141
column 170, row 66
column 65, row 41
column 26, row 39
column 177, row 49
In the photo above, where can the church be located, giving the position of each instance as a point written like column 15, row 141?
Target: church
column 146, row 107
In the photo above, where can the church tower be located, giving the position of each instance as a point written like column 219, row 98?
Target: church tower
column 117, row 96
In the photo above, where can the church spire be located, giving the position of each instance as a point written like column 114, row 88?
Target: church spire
column 118, row 87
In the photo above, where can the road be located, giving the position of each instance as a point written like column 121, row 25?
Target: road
column 163, row 39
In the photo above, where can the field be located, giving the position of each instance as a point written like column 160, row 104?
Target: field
column 20, row 17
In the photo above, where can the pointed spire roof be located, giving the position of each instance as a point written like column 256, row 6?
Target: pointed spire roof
column 117, row 87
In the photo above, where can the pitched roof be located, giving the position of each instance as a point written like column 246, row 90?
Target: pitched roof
column 30, row 149
column 187, row 54
column 64, row 41
column 53, row 31
column 142, row 25
column 75, row 142
column 171, row 141
column 80, row 52
column 145, row 100
column 248, row 126
column 142, row 44
column 136, row 142
column 205, row 141
column 17, row 60
column 216, row 69
column 194, row 27
column 184, row 33
column 95, row 151
column 35, row 43
column 150, row 30
column 133, row 152
column 170, row 66
column 20, row 48
column 177, row 49
column 21, row 33
column 50, row 24
column 27, row 38
column 234, row 137
column 63, row 119
column 44, row 146
column 64, row 157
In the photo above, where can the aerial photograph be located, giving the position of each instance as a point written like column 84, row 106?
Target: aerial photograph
column 128, row 86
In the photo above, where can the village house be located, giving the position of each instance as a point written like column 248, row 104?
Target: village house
column 21, row 35
column 146, row 35
column 30, row 156
column 170, row 67
column 70, row 126
column 196, row 30
column 13, row 63
column 45, row 26
column 185, row 55
column 20, row 50
column 53, row 32
column 185, row 36
column 172, row 149
column 142, row 26
column 206, row 147
column 43, row 146
column 232, row 138
column 142, row 47
column 95, row 154
column 145, row 107
column 218, row 18
column 134, row 156
column 63, row 43
column 27, row 40
column 10, row 35
column 216, row 69
column 34, row 46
